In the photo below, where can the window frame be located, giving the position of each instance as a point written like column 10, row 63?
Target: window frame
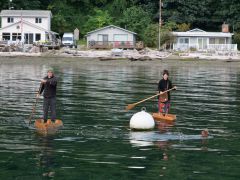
column 10, row 20
column 38, row 20
column 16, row 36
column 38, row 34
column 6, row 34
column 184, row 40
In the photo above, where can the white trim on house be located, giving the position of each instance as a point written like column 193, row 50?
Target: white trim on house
column 196, row 30
column 30, row 26
column 111, row 37
column 110, row 26
column 24, row 22
column 38, row 30
column 200, row 33
column 202, row 40
column 206, row 34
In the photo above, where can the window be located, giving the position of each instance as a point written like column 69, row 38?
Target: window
column 6, row 36
column 16, row 36
column 38, row 20
column 211, row 40
column 28, row 38
column 184, row 40
column 67, row 38
column 10, row 20
column 222, row 41
column 103, row 37
column 120, row 37
column 37, row 37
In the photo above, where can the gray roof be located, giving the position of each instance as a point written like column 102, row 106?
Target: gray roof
column 200, row 33
column 110, row 27
column 26, row 13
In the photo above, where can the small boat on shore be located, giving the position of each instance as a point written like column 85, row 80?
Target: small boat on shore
column 49, row 127
column 164, row 117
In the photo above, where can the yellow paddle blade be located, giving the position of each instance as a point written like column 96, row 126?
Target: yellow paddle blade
column 130, row 106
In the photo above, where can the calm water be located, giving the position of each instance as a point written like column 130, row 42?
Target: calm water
column 96, row 142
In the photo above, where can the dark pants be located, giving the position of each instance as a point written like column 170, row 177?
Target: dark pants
column 49, row 103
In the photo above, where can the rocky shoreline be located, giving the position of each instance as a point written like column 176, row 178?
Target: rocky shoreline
column 132, row 55
column 102, row 55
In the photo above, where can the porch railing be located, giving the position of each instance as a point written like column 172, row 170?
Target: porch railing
column 223, row 47
column 111, row 44
column 212, row 47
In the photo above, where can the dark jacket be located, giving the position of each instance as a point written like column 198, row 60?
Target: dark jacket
column 49, row 87
column 164, row 85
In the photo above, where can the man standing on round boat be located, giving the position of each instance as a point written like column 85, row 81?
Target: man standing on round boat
column 49, row 87
column 164, row 99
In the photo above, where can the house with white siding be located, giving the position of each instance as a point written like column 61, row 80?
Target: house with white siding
column 27, row 26
column 111, row 37
column 202, row 41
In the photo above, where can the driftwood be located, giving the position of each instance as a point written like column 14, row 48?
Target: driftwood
column 143, row 58
column 106, row 58
column 110, row 58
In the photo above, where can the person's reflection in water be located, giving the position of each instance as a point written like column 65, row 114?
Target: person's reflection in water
column 163, row 145
column 46, row 157
column 164, row 127
column 165, row 156
column 204, row 134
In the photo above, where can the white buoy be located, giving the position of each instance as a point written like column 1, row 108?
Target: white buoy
column 142, row 121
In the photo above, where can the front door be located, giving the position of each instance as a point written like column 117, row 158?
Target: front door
column 202, row 43
column 105, row 39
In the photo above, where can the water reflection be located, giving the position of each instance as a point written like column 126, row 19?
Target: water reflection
column 96, row 142
column 163, row 137
column 46, row 156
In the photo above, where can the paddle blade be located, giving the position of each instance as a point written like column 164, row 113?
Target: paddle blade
column 130, row 106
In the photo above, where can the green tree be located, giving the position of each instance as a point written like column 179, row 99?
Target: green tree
column 136, row 15
column 152, row 32
column 63, row 16
column 117, row 7
column 194, row 12
column 228, row 11
column 151, row 35
column 135, row 19
column 3, row 4
column 98, row 20
column 169, row 26
column 26, row 4
column 183, row 27
column 236, row 39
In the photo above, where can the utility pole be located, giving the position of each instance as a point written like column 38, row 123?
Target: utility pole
column 160, row 24
column 22, row 37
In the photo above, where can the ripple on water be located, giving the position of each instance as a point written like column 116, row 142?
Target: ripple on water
column 91, row 101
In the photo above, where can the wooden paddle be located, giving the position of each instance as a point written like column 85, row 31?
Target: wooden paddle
column 34, row 105
column 131, row 106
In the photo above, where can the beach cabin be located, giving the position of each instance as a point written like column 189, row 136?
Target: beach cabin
column 26, row 26
column 111, row 37
column 199, row 40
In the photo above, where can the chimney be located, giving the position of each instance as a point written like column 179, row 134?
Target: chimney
column 225, row 28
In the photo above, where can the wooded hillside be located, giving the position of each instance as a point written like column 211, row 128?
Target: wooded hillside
column 140, row 16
